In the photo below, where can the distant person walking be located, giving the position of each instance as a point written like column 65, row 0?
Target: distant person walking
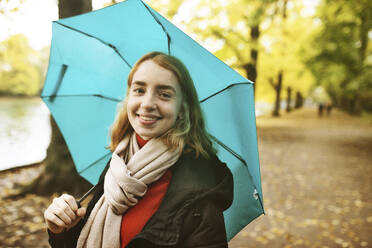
column 329, row 108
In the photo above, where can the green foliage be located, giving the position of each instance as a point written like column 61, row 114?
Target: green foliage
column 341, row 55
column 283, row 41
column 168, row 8
column 20, row 73
column 225, row 28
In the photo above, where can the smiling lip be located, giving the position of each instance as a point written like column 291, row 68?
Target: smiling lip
column 148, row 119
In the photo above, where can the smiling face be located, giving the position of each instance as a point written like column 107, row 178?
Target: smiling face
column 154, row 100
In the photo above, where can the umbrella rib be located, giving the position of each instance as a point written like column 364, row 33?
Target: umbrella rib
column 241, row 160
column 95, row 162
column 102, row 41
column 162, row 26
column 96, row 95
column 59, row 81
column 218, row 92
column 229, row 150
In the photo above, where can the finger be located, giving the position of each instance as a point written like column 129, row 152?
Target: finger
column 55, row 229
column 53, row 219
column 60, row 213
column 61, row 204
column 70, row 201
column 81, row 212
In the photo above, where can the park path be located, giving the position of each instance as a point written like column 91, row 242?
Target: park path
column 317, row 182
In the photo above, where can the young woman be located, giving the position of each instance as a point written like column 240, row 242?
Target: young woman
column 164, row 185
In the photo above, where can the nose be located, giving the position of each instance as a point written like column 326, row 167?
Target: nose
column 148, row 101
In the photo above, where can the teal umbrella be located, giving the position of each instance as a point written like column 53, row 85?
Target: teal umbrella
column 90, row 59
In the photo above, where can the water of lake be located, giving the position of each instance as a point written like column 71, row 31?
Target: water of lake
column 24, row 131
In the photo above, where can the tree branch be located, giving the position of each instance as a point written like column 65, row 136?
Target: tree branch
column 237, row 34
column 271, row 81
column 228, row 43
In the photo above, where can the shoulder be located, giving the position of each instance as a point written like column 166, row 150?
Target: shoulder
column 209, row 178
column 200, row 167
column 201, row 163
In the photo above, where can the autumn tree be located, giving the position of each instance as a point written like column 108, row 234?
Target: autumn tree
column 283, row 52
column 19, row 72
column 237, row 26
column 21, row 69
column 282, row 64
column 339, row 60
column 60, row 173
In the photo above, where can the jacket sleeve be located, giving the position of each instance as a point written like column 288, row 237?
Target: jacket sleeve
column 64, row 240
column 56, row 240
column 204, row 227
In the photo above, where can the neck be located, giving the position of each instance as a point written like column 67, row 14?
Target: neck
column 140, row 141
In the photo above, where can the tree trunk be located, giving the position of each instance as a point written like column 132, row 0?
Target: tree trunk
column 299, row 100
column 251, row 67
column 60, row 174
column 289, row 99
column 68, row 8
column 278, row 90
column 363, row 34
column 278, row 86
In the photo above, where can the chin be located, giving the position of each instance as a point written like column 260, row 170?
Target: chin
column 145, row 136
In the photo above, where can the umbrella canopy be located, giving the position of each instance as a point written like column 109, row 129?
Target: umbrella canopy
column 90, row 59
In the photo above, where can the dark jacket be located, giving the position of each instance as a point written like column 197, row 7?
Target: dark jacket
column 191, row 213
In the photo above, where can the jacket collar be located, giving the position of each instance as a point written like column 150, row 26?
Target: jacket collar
column 193, row 179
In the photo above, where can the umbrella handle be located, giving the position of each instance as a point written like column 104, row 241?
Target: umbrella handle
column 78, row 202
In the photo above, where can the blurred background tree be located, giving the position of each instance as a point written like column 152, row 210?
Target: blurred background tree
column 20, row 71
column 340, row 58
column 237, row 27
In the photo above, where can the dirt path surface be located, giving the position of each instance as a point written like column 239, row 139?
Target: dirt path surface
column 21, row 219
column 317, row 182
column 316, row 179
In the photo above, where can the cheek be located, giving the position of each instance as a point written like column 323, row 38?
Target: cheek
column 179, row 106
column 169, row 112
column 131, row 106
column 176, row 112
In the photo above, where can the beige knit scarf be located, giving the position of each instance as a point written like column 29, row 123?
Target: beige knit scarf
column 131, row 170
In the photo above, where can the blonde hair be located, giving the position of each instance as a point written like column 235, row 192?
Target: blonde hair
column 189, row 130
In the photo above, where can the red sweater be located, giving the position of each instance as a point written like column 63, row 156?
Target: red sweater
column 136, row 217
